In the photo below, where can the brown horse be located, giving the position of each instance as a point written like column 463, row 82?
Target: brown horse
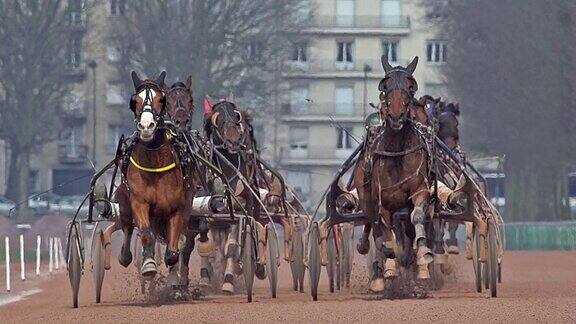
column 153, row 193
column 180, row 104
column 397, row 165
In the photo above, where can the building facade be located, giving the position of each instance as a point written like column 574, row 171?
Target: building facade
column 333, row 74
column 327, row 84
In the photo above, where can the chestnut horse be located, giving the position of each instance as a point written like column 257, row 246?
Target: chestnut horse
column 153, row 193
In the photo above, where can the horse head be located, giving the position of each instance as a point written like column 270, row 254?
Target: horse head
column 147, row 103
column 179, row 103
column 397, row 90
column 448, row 130
column 228, row 127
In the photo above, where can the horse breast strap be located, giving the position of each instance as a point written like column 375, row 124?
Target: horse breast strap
column 153, row 170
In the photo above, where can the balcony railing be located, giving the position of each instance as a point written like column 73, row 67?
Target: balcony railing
column 359, row 21
column 323, row 66
column 72, row 153
column 326, row 109
column 327, row 154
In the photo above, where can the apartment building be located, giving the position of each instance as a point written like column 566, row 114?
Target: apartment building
column 333, row 75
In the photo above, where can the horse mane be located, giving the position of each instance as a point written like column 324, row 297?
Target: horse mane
column 452, row 107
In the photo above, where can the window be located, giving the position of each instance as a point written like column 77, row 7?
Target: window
column 436, row 51
column 34, row 184
column 390, row 13
column 75, row 8
column 344, row 141
column 390, row 49
column 73, row 102
column 304, row 10
column 72, row 139
column 345, row 13
column 344, row 58
column 298, row 102
column 74, row 52
column 299, row 52
column 114, row 94
column 344, row 100
column 344, row 138
column 299, row 142
column 117, row 7
column 300, row 182
column 254, row 51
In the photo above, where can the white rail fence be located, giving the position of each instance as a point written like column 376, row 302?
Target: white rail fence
column 44, row 265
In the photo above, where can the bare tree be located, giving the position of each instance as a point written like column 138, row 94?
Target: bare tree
column 512, row 66
column 33, row 36
column 225, row 45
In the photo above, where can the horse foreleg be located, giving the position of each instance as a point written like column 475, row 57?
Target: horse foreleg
column 469, row 239
column 141, row 215
column 364, row 243
column 288, row 232
column 231, row 251
column 452, row 241
column 323, row 231
column 261, row 264
column 175, row 225
column 424, row 255
column 106, row 241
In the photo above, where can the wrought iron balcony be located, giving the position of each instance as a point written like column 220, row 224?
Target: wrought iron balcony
column 359, row 21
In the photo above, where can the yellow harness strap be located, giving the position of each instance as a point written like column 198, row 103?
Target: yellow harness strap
column 155, row 170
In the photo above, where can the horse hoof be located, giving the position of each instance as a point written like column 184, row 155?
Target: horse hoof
column 125, row 258
column 204, row 277
column 260, row 271
column 423, row 273
column 205, row 249
column 453, row 249
column 377, row 285
column 171, row 257
column 447, row 268
column 228, row 286
column 440, row 258
column 149, row 268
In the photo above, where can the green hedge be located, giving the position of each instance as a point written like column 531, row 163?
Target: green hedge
column 541, row 236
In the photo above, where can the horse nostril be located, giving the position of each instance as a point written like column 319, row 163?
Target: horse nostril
column 152, row 125
column 140, row 126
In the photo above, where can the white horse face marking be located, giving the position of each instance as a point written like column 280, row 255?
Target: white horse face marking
column 146, row 125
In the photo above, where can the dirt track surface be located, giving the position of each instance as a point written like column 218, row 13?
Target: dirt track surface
column 537, row 287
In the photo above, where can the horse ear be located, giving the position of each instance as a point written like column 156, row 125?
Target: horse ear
column 189, row 83
column 385, row 65
column 160, row 79
column 412, row 66
column 230, row 97
column 382, row 96
column 136, row 80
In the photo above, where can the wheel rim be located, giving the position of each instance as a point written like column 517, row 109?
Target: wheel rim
column 248, row 261
column 272, row 264
column 492, row 258
column 98, row 265
column 475, row 262
column 74, row 265
column 314, row 261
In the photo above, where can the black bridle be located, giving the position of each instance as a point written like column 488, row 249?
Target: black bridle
column 147, row 104
column 229, row 119
column 180, row 93
column 394, row 76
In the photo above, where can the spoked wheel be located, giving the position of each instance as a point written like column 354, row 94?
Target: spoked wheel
column 297, row 262
column 314, row 262
column 98, row 264
column 492, row 263
column 476, row 261
column 248, row 261
column 332, row 266
column 272, row 264
column 74, row 263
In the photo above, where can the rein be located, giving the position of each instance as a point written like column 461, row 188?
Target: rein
column 401, row 153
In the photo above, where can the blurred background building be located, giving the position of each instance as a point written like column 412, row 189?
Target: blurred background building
column 329, row 79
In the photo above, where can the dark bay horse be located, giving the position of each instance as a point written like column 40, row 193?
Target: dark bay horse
column 180, row 104
column 229, row 131
column 397, row 166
